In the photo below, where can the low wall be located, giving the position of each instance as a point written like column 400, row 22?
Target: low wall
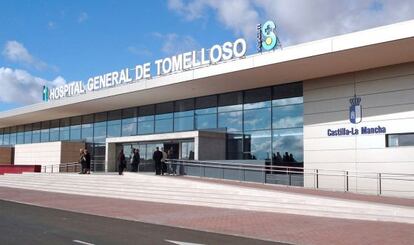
column 18, row 169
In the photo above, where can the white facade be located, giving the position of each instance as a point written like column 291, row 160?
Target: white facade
column 387, row 99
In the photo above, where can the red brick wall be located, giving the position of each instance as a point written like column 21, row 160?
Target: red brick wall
column 6, row 155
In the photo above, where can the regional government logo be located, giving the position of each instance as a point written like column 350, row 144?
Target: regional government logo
column 355, row 110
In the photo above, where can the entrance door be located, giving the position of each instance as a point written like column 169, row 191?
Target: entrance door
column 174, row 148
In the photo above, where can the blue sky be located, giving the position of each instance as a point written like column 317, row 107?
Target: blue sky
column 54, row 42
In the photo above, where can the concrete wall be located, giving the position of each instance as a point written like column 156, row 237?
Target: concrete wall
column 210, row 146
column 6, row 155
column 48, row 153
column 387, row 100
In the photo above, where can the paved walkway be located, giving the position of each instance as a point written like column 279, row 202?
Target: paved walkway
column 295, row 229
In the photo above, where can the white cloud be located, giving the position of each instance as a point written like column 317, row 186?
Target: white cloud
column 16, row 52
column 83, row 17
column 21, row 87
column 298, row 20
column 139, row 51
column 175, row 44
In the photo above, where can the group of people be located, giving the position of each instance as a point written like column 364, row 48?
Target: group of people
column 135, row 159
column 85, row 161
column 160, row 160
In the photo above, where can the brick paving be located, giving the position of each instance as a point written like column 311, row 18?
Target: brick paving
column 295, row 229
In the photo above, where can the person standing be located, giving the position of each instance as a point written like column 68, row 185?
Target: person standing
column 121, row 162
column 135, row 160
column 157, row 156
column 82, row 161
column 87, row 158
column 173, row 165
column 164, row 168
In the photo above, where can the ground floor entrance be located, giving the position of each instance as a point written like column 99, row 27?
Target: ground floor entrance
column 178, row 149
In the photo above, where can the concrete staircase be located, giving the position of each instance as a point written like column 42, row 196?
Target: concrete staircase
column 169, row 189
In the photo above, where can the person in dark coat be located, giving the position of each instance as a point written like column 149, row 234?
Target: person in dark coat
column 121, row 162
column 135, row 160
column 157, row 156
column 82, row 161
column 87, row 157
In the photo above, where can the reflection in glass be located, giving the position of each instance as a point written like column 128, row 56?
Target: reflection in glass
column 288, row 116
column 129, row 126
column 231, row 120
column 288, row 143
column 287, row 101
column 87, row 132
column 164, row 125
column 207, row 121
column 257, row 145
column 183, row 123
column 257, row 119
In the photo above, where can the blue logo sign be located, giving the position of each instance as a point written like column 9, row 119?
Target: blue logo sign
column 45, row 93
column 355, row 110
column 266, row 36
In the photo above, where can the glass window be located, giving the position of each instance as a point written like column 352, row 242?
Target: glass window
column 146, row 119
column 184, row 123
column 230, row 101
column 207, row 102
column 395, row 140
column 129, row 122
column 36, row 133
column 232, row 121
column 75, row 128
column 54, row 130
column 20, row 135
column 290, row 116
column 288, row 144
column 257, row 145
column 87, row 128
column 184, row 108
column 6, row 136
column 99, row 132
column 44, row 132
column 114, row 123
column 234, row 146
column 287, row 94
column 13, row 135
column 208, row 121
column 164, row 108
column 257, row 119
column 146, row 125
column 1, row 136
column 164, row 125
column 64, row 129
column 257, row 98
column 28, row 134
column 99, row 127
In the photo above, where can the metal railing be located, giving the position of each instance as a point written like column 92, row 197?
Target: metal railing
column 327, row 179
column 71, row 167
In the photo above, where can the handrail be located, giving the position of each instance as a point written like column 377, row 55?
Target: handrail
column 271, row 167
column 343, row 175
column 58, row 166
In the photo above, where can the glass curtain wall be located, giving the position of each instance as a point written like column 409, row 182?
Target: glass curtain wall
column 261, row 124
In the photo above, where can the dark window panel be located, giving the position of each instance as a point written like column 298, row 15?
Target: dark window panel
column 130, row 112
column 288, row 90
column 234, row 98
column 257, row 95
column 101, row 117
column 87, row 119
column 184, row 105
column 206, row 102
column 146, row 110
column 164, row 108
column 114, row 115
column 75, row 121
